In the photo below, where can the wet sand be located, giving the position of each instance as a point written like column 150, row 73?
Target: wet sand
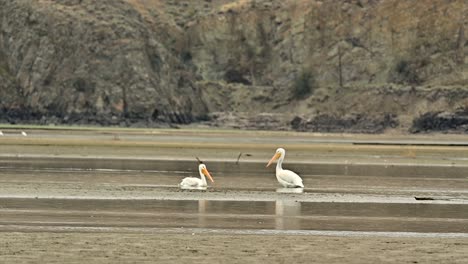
column 224, row 145
column 52, row 247
column 111, row 196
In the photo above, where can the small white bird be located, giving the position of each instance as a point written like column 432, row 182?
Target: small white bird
column 287, row 178
column 1, row 133
column 193, row 182
column 23, row 133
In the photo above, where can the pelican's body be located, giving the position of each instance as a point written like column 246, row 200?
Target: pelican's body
column 287, row 178
column 193, row 182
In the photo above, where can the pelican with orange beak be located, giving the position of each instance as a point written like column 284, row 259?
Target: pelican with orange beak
column 287, row 178
column 193, row 182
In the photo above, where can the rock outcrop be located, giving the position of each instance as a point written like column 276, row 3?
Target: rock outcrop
column 336, row 66
column 91, row 62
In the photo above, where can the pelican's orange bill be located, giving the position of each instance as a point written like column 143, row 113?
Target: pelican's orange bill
column 275, row 157
column 207, row 174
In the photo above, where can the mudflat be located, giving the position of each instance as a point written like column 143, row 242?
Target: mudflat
column 224, row 248
column 111, row 196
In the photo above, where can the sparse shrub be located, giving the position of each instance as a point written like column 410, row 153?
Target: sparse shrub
column 235, row 76
column 304, row 85
column 186, row 56
column 405, row 72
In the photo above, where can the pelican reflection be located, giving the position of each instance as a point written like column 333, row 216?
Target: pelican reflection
column 287, row 210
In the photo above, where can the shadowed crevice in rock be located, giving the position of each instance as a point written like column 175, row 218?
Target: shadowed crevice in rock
column 441, row 122
column 354, row 123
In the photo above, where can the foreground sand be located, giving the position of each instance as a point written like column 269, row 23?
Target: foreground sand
column 198, row 248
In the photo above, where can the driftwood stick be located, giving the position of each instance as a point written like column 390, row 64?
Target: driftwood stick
column 238, row 158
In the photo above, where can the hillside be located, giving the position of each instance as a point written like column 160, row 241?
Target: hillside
column 368, row 66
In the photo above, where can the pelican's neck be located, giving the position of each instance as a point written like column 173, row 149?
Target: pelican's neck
column 202, row 176
column 279, row 163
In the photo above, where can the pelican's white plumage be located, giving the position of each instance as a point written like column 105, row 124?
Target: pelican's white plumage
column 197, row 182
column 287, row 178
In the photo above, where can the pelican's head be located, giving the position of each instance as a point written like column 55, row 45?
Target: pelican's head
column 204, row 171
column 279, row 153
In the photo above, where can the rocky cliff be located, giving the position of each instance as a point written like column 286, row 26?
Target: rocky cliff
column 337, row 66
column 91, row 62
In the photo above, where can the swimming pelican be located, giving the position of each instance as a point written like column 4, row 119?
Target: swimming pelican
column 196, row 182
column 287, row 178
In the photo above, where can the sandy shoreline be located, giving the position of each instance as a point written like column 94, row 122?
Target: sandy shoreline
column 189, row 248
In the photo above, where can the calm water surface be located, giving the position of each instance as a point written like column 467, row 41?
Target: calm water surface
column 253, row 178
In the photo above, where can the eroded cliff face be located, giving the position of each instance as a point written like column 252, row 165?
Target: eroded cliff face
column 359, row 42
column 355, row 65
column 91, row 61
column 367, row 66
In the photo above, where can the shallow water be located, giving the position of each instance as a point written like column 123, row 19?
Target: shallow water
column 279, row 215
column 221, row 206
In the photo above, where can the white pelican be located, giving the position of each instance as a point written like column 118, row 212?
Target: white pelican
column 192, row 182
column 287, row 178
column 1, row 133
column 23, row 133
